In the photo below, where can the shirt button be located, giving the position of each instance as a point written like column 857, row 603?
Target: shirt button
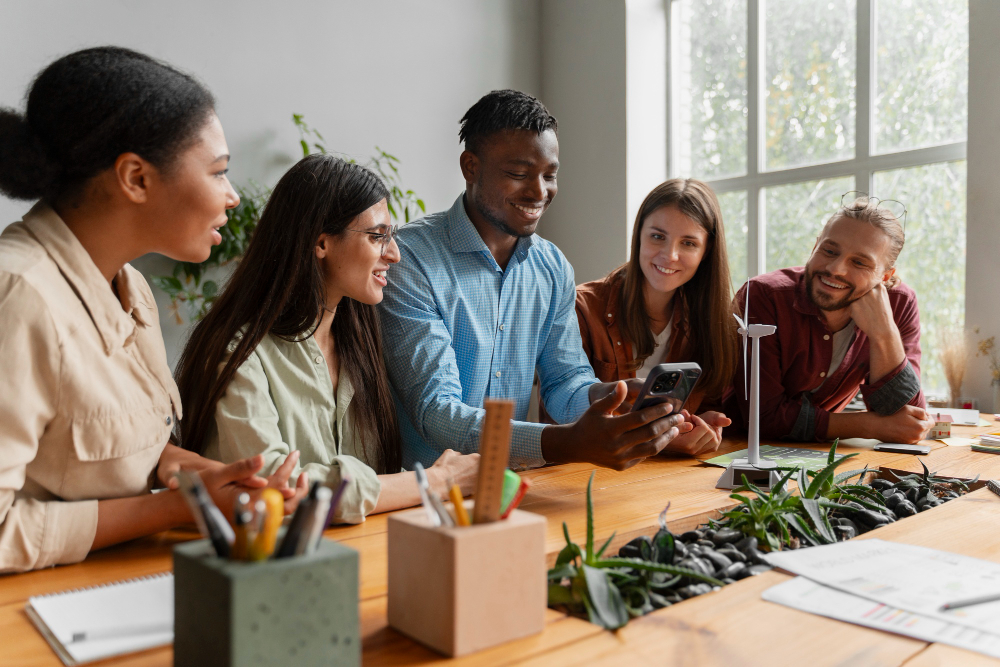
column 826, row 336
column 169, row 420
column 501, row 327
column 609, row 314
column 619, row 342
column 498, row 373
column 822, row 374
column 318, row 359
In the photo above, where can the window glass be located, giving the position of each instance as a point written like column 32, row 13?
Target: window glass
column 709, row 79
column 934, row 196
column 795, row 215
column 809, row 83
column 734, row 221
column 921, row 73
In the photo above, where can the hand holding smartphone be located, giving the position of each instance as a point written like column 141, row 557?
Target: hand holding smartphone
column 668, row 383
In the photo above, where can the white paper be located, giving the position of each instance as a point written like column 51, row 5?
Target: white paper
column 140, row 611
column 916, row 579
column 805, row 595
column 960, row 416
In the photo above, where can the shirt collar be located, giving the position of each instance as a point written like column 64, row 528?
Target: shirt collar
column 464, row 236
column 114, row 319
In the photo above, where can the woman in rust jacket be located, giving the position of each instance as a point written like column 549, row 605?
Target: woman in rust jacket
column 670, row 302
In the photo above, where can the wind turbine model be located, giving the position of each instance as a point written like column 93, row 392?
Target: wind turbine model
column 761, row 472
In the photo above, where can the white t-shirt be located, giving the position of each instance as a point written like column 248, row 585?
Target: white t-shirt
column 841, row 343
column 659, row 353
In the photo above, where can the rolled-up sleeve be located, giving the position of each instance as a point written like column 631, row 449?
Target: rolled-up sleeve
column 33, row 533
column 901, row 386
column 361, row 493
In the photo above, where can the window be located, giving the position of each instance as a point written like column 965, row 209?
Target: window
column 784, row 105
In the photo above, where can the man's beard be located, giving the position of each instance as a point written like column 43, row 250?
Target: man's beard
column 494, row 218
column 822, row 301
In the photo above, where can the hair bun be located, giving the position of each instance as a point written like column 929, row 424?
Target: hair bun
column 25, row 170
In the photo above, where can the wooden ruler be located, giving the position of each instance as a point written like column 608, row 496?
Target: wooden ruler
column 494, row 451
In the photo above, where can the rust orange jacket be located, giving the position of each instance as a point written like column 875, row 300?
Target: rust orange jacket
column 610, row 353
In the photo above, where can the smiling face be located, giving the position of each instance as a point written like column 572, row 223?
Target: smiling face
column 512, row 179
column 847, row 262
column 352, row 262
column 189, row 207
column 671, row 247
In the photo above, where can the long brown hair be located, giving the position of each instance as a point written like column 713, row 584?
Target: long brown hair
column 705, row 300
column 278, row 289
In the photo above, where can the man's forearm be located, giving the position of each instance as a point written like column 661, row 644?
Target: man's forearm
column 849, row 425
column 886, row 353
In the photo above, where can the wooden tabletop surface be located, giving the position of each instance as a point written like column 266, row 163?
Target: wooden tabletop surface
column 732, row 626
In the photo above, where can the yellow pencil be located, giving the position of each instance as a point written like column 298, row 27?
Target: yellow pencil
column 461, row 516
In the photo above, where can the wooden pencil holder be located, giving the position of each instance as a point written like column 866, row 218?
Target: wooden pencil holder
column 289, row 611
column 463, row 589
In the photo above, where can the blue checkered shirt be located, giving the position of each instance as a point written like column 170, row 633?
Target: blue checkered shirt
column 458, row 329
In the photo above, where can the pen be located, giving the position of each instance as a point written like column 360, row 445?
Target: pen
column 119, row 632
column 461, row 516
column 968, row 602
column 242, row 520
column 424, row 486
column 321, row 510
column 301, row 523
column 335, row 501
column 213, row 523
column 270, row 520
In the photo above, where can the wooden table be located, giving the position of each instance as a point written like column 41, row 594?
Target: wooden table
column 732, row 626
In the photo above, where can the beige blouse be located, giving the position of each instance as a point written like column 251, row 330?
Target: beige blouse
column 87, row 401
column 281, row 399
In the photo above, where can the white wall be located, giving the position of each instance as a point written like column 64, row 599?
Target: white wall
column 583, row 85
column 397, row 73
column 982, row 279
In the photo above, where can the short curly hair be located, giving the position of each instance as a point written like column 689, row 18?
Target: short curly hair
column 503, row 110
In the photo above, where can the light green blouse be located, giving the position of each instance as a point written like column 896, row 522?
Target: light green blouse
column 281, row 399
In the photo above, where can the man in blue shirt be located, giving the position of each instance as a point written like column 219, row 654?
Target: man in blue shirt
column 478, row 302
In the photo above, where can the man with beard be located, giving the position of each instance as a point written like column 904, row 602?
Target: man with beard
column 479, row 303
column 845, row 322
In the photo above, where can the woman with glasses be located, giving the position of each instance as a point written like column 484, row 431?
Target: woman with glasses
column 289, row 358
column 669, row 303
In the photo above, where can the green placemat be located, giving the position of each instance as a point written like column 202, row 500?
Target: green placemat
column 786, row 457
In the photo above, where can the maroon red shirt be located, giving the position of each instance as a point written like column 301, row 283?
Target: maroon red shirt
column 794, row 361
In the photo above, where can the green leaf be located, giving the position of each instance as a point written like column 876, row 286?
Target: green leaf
column 559, row 594
column 819, row 518
column 647, row 566
column 833, row 451
column 209, row 289
column 600, row 552
column 560, row 572
column 420, row 203
column 305, row 147
column 605, row 607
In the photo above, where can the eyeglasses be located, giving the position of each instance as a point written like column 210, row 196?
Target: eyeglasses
column 385, row 237
column 856, row 202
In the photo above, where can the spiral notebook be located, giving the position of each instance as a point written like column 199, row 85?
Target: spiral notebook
column 89, row 624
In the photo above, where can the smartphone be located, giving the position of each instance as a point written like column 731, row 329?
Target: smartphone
column 668, row 383
column 900, row 448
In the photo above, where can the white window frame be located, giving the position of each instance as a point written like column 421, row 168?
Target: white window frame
column 862, row 166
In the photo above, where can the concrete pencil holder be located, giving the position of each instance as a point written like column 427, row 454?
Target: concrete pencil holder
column 301, row 611
column 464, row 589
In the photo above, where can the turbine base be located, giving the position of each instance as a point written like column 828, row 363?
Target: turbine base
column 763, row 475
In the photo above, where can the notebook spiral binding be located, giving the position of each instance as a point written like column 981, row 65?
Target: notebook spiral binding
column 109, row 584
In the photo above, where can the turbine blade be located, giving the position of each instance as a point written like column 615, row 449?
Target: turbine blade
column 746, row 309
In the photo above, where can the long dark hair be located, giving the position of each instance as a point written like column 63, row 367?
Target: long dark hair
column 705, row 300
column 278, row 289
column 87, row 108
